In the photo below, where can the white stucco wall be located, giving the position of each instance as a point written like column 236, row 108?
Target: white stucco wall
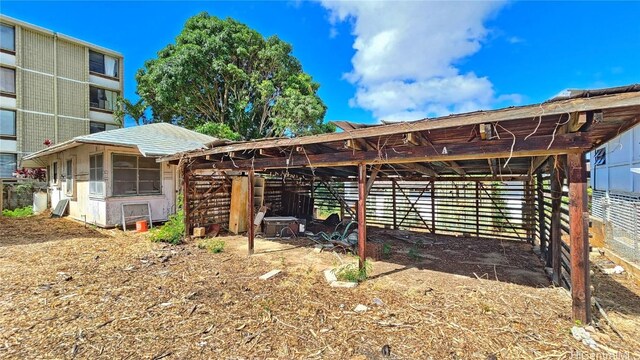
column 106, row 210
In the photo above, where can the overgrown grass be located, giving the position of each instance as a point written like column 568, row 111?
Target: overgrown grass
column 386, row 250
column 351, row 272
column 212, row 245
column 19, row 212
column 171, row 232
column 414, row 254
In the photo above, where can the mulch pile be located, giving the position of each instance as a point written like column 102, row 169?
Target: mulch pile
column 117, row 295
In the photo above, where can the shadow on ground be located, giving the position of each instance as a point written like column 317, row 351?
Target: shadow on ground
column 42, row 228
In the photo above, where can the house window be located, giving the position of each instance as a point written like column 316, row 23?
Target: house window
column 600, row 156
column 7, row 38
column 8, row 165
column 7, row 80
column 54, row 173
column 135, row 175
column 102, row 99
column 7, row 123
column 69, row 177
column 103, row 64
column 95, row 127
column 96, row 179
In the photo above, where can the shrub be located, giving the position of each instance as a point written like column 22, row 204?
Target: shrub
column 212, row 245
column 414, row 254
column 352, row 272
column 386, row 250
column 172, row 231
column 19, row 212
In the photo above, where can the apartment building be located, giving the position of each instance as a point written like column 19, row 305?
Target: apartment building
column 52, row 88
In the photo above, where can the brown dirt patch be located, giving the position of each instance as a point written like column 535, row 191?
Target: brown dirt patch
column 123, row 297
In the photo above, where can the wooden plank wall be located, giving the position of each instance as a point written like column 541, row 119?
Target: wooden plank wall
column 459, row 207
column 544, row 239
column 210, row 196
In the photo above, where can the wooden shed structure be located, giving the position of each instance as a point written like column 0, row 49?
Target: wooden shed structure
column 524, row 166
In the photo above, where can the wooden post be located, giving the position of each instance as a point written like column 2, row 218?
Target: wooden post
column 556, row 235
column 477, row 210
column 393, row 200
column 433, row 207
column 250, row 213
column 362, row 213
column 185, row 201
column 541, row 224
column 579, row 234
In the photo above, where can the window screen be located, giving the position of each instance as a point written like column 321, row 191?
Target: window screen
column 8, row 164
column 7, row 123
column 7, row 37
column 7, row 80
column 135, row 175
column 96, row 182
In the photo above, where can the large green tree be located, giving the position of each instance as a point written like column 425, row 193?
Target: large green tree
column 222, row 72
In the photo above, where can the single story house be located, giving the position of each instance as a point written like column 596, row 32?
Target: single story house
column 113, row 173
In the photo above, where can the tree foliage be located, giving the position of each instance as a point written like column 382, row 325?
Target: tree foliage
column 136, row 110
column 221, row 71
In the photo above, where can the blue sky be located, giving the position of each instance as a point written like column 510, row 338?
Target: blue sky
column 392, row 61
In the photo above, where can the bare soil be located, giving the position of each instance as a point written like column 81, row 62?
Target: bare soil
column 76, row 292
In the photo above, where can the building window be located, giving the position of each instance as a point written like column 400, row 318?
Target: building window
column 7, row 123
column 135, row 175
column 96, row 179
column 7, row 38
column 102, row 99
column 103, row 64
column 96, row 127
column 8, row 165
column 69, row 178
column 7, row 80
column 54, row 173
column 600, row 157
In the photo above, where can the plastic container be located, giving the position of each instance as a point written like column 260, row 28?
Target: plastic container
column 141, row 226
column 40, row 200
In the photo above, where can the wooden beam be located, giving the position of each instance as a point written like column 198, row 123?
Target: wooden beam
column 420, row 169
column 185, row 201
column 556, row 235
column 498, row 148
column 353, row 145
column 372, row 178
column 433, row 207
column 419, row 139
column 250, row 214
column 362, row 214
column 579, row 234
column 542, row 226
column 553, row 108
column 394, row 184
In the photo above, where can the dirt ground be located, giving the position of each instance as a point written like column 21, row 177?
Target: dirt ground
column 73, row 292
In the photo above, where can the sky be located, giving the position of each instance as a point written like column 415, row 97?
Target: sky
column 379, row 60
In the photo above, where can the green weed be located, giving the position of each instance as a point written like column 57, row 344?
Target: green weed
column 19, row 212
column 351, row 272
column 212, row 245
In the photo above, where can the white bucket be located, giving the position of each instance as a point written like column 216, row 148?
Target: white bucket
column 39, row 202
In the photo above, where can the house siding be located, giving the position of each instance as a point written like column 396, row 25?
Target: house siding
column 106, row 210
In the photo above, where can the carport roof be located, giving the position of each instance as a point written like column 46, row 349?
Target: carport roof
column 513, row 141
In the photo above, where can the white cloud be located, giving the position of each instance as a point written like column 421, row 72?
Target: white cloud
column 406, row 53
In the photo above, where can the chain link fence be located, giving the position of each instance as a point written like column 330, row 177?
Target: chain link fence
column 621, row 216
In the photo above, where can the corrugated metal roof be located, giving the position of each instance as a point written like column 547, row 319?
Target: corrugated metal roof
column 159, row 139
